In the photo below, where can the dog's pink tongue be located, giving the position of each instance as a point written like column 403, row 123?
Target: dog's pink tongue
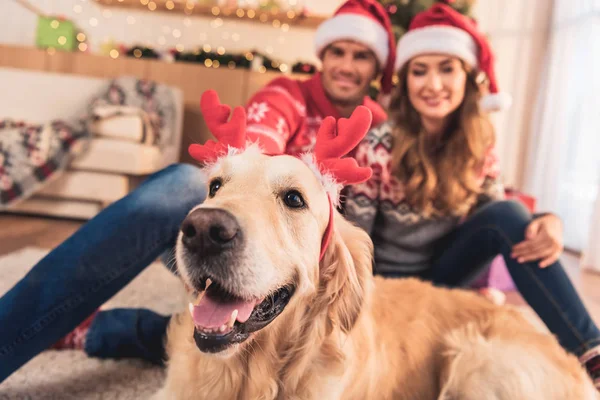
column 211, row 313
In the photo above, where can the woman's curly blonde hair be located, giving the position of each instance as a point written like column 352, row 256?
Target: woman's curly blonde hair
column 440, row 173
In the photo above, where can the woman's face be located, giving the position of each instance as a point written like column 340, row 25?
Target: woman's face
column 436, row 86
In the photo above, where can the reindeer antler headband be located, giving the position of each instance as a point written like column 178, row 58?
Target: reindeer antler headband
column 334, row 141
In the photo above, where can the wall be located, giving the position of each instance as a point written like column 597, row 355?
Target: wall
column 518, row 31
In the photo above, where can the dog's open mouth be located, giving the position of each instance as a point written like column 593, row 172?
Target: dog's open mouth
column 222, row 319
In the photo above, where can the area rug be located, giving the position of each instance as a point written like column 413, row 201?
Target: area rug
column 70, row 375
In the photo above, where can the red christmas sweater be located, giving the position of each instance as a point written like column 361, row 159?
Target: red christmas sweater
column 285, row 115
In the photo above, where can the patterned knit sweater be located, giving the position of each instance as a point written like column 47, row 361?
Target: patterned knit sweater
column 404, row 239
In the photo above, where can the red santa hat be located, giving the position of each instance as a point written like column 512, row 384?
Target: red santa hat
column 441, row 29
column 366, row 22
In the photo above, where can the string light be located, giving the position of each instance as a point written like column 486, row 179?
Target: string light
column 130, row 20
column 239, row 12
column 215, row 11
column 81, row 37
column 251, row 13
column 77, row 9
column 137, row 53
column 283, row 68
column 51, row 51
column 249, row 56
column 216, row 64
column 152, row 6
column 285, row 27
column 82, row 47
column 276, row 23
column 235, row 37
column 179, row 47
column 263, row 17
column 93, row 22
column 62, row 40
column 170, row 5
column 114, row 53
column 54, row 24
column 221, row 51
column 206, row 48
column 231, row 65
column 262, row 69
column 176, row 33
column 208, row 63
column 291, row 14
column 144, row 2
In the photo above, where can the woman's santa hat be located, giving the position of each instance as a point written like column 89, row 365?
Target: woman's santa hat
column 441, row 29
column 366, row 22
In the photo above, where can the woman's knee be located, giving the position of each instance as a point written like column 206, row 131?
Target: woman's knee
column 509, row 216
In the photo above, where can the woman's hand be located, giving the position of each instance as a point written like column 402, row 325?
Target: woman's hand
column 543, row 241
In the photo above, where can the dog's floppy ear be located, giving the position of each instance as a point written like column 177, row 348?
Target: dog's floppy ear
column 346, row 270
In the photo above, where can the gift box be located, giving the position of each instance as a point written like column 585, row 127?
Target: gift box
column 58, row 33
column 527, row 200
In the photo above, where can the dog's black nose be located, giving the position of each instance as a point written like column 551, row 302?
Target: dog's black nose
column 210, row 231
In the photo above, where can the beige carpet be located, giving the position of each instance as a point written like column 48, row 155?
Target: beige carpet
column 70, row 375
column 66, row 375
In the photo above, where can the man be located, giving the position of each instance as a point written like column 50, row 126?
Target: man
column 105, row 254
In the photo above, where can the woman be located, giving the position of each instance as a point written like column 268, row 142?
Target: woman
column 434, row 207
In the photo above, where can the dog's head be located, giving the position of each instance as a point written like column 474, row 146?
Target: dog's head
column 268, row 236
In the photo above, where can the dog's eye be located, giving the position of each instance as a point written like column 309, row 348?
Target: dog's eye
column 293, row 199
column 214, row 187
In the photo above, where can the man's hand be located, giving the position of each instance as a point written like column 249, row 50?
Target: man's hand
column 543, row 241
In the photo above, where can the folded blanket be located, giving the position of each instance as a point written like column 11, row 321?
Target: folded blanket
column 33, row 154
column 123, row 123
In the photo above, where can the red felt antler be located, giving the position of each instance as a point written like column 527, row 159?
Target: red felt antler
column 228, row 133
column 335, row 141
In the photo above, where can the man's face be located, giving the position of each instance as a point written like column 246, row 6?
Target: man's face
column 348, row 69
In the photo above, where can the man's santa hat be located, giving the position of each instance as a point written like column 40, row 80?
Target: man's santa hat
column 441, row 29
column 365, row 22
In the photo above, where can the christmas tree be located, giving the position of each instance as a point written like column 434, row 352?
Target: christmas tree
column 401, row 12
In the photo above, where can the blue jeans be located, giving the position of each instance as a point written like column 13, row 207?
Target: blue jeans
column 90, row 267
column 495, row 229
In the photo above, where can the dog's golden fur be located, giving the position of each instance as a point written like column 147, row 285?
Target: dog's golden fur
column 354, row 336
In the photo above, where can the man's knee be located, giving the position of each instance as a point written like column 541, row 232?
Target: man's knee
column 174, row 189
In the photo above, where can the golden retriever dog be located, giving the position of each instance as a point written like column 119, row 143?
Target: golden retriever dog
column 273, row 318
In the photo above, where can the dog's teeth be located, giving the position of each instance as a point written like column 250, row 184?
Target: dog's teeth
column 232, row 319
column 191, row 308
column 208, row 283
column 222, row 328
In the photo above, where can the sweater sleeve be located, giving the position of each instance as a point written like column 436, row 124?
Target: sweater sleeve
column 363, row 199
column 274, row 114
